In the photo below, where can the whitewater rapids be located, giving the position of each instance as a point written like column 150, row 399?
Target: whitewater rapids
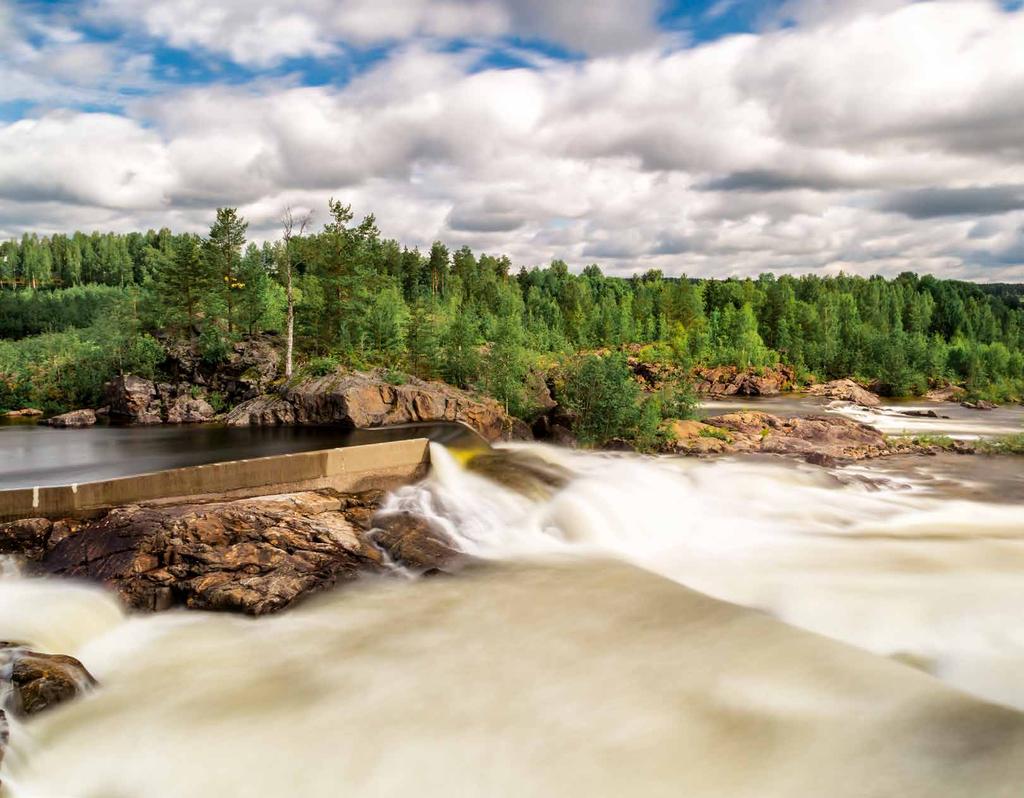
column 878, row 651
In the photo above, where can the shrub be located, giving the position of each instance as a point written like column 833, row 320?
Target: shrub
column 322, row 366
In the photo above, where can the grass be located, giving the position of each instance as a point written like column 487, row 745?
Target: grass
column 1006, row 444
column 714, row 432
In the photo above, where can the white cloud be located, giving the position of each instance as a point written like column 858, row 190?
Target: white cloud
column 271, row 31
column 870, row 141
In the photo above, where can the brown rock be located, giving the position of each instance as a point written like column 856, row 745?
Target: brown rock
column 76, row 418
column 133, row 399
column 35, row 682
column 731, row 381
column 25, row 412
column 948, row 393
column 981, row 404
column 252, row 555
column 414, row 543
column 186, row 410
column 27, row 538
column 360, row 399
column 846, row 391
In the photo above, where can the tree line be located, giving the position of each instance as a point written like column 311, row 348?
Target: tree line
column 350, row 296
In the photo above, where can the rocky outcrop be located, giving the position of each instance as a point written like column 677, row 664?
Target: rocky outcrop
column 820, row 438
column 31, row 538
column 133, row 399
column 359, row 399
column 947, row 393
column 76, row 418
column 187, row 410
column 34, row 682
column 731, row 381
column 250, row 367
column 415, row 544
column 980, row 404
column 252, row 555
column 25, row 412
column 847, row 391
column 139, row 401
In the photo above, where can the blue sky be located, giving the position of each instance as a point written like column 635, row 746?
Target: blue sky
column 869, row 136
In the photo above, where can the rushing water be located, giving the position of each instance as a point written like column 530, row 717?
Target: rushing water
column 588, row 658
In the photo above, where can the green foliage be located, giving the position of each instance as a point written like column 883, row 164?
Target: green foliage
column 475, row 321
column 601, row 393
column 1007, row 444
column 943, row 442
column 214, row 346
column 715, row 432
column 322, row 366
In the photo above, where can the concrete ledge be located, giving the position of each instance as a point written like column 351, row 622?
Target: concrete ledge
column 352, row 468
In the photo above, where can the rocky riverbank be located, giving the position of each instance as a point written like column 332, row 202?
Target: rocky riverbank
column 254, row 556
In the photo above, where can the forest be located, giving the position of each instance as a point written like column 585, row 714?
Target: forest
column 77, row 309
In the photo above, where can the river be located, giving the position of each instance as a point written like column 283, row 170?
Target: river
column 744, row 627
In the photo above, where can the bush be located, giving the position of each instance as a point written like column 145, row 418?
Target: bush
column 322, row 366
column 600, row 391
column 214, row 346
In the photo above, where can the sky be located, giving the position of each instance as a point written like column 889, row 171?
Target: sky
column 717, row 138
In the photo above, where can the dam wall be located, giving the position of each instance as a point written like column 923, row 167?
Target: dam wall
column 347, row 469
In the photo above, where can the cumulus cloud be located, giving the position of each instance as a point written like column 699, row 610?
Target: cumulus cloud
column 868, row 142
column 273, row 30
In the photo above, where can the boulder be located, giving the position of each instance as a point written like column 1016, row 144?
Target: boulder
column 34, row 682
column 76, row 418
column 25, row 412
column 252, row 364
column 359, row 399
column 27, row 538
column 186, row 410
column 948, row 393
column 264, row 411
column 731, row 381
column 414, row 543
column 133, row 399
column 846, row 391
column 827, row 438
column 981, row 404
column 254, row 556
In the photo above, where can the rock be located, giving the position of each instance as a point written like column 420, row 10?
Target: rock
column 981, row 404
column 847, row 391
column 821, row 459
column 919, row 413
column 521, row 471
column 695, row 437
column 948, row 393
column 76, row 418
column 251, row 555
column 560, row 436
column 414, row 543
column 133, row 399
column 359, row 399
column 731, row 381
column 832, row 437
column 186, row 410
column 250, row 368
column 27, row 538
column 264, row 411
column 35, row 682
column 25, row 412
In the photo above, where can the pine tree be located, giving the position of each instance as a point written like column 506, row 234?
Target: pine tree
column 224, row 250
